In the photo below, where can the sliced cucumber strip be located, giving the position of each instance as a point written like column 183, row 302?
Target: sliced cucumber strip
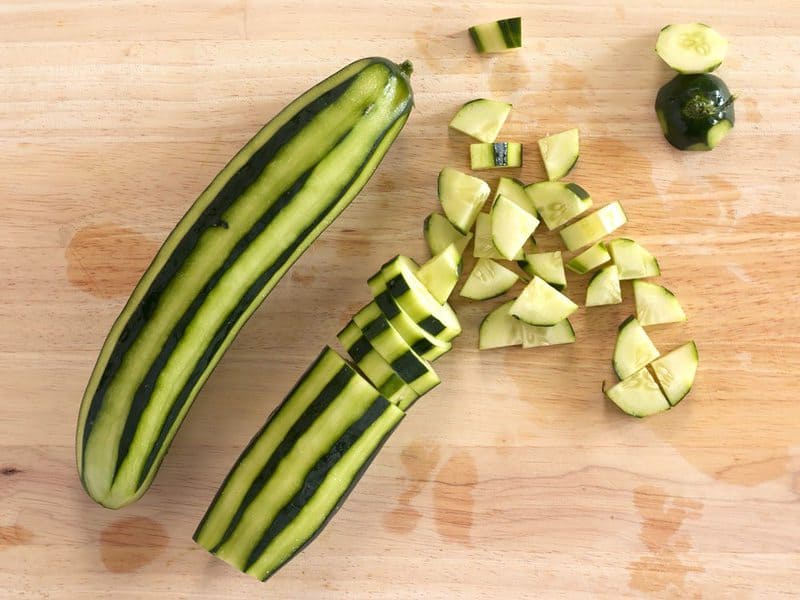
column 541, row 304
column 560, row 152
column 488, row 279
column 560, row 333
column 547, row 265
column 484, row 245
column 633, row 260
column 691, row 47
column 497, row 155
column 633, row 349
column 655, row 304
column 676, row 371
column 558, row 202
column 511, row 227
column 604, row 287
column 589, row 259
column 462, row 197
column 440, row 233
column 514, row 190
column 593, row 227
column 440, row 274
column 497, row 36
column 499, row 329
column 482, row 119
column 638, row 395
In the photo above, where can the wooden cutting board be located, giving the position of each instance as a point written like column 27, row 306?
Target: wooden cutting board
column 513, row 479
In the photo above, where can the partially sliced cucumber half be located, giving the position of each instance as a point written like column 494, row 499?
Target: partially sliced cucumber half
column 604, row 287
column 634, row 350
column 558, row 203
column 462, row 197
column 593, row 227
column 541, row 304
column 589, row 259
column 547, row 265
column 484, row 245
column 488, row 279
column 440, row 274
column 633, row 260
column 499, row 329
column 691, row 47
column 655, row 304
column 497, row 36
column 481, row 119
column 511, row 227
column 440, row 233
column 676, row 371
column 514, row 190
column 638, row 395
column 560, row 153
column 495, row 155
column 560, row 333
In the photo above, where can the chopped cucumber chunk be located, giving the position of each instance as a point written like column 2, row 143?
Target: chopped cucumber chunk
column 499, row 329
column 558, row 202
column 440, row 233
column 632, row 259
column 676, row 372
column 497, row 36
column 497, row 155
column 655, row 304
column 481, row 119
column 534, row 336
column 514, row 190
column 547, row 265
column 484, row 245
column 638, row 395
column 440, row 274
column 488, row 279
column 604, row 287
column 691, row 47
column 593, row 227
column 511, row 227
column 560, row 152
column 589, row 259
column 462, row 197
column 541, row 304
column 633, row 349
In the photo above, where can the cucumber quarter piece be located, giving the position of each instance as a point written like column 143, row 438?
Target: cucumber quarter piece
column 589, row 259
column 462, row 197
column 535, row 337
column 514, row 190
column 497, row 36
column 633, row 260
column 541, row 304
column 495, row 155
column 440, row 274
column 633, row 349
column 547, row 265
column 488, row 279
column 482, row 119
column 604, row 287
column 560, row 153
column 593, row 227
column 676, row 371
column 499, row 329
column 484, row 245
column 440, row 233
column 638, row 395
column 511, row 227
column 655, row 304
column 691, row 47
column 558, row 202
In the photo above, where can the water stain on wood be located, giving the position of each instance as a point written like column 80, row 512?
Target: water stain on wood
column 419, row 460
column 14, row 535
column 456, row 49
column 453, row 503
column 107, row 260
column 510, row 73
column 131, row 543
column 752, row 114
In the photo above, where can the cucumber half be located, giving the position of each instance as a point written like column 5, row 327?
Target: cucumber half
column 495, row 155
column 676, row 371
column 488, row 279
column 604, row 287
column 482, row 119
column 514, row 190
column 593, row 227
column 638, row 395
column 560, row 153
column 547, row 265
column 633, row 260
column 541, row 304
column 440, row 274
column 499, row 329
column 691, row 47
column 511, row 227
column 656, row 305
column 558, row 202
column 497, row 36
column 462, row 197
column 484, row 245
column 555, row 335
column 440, row 233
column 589, row 259
column 633, row 350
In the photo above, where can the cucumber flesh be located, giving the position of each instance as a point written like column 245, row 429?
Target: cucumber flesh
column 497, row 36
column 633, row 350
column 547, row 265
column 541, row 304
column 484, row 245
column 638, row 395
column 560, row 152
column 691, row 47
column 440, row 233
column 676, row 371
column 462, row 197
column 440, row 274
column 604, row 287
column 496, row 155
column 560, row 333
column 633, row 260
column 488, row 279
column 717, row 133
column 655, row 304
column 499, row 329
column 589, row 259
column 511, row 227
column 514, row 190
column 558, row 202
column 593, row 227
column 481, row 119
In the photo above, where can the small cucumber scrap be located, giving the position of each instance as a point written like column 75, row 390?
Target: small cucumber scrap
column 632, row 259
column 462, row 197
column 541, row 304
column 495, row 155
column 638, row 395
column 656, row 305
column 593, row 227
column 535, row 337
column 547, row 265
column 589, row 259
column 558, row 202
column 440, row 233
column 676, row 371
column 497, row 36
column 691, row 47
column 604, row 287
column 440, row 274
column 511, row 227
column 488, row 279
column 499, row 329
column 514, row 190
column 560, row 153
column 633, row 349
column 484, row 246
column 481, row 119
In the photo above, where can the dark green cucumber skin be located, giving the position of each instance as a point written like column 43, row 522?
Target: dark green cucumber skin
column 511, row 29
column 690, row 105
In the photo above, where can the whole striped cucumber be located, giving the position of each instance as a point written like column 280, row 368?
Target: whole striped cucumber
column 223, row 258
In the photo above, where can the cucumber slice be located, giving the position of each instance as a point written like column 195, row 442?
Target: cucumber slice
column 633, row 349
column 541, row 304
column 560, row 152
column 633, row 260
column 638, row 395
column 560, row 333
column 462, row 197
column 589, row 259
column 440, row 233
column 676, row 371
column 547, row 265
column 484, row 246
column 514, row 190
column 482, row 119
column 499, row 329
column 593, row 227
column 440, row 274
column 691, row 47
column 497, row 36
column 511, row 227
column 604, row 287
column 655, row 304
column 497, row 155
column 488, row 279
column 558, row 202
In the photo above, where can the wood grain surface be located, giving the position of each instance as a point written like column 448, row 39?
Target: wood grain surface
column 514, row 478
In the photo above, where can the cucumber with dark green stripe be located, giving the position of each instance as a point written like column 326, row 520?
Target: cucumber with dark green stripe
column 298, row 469
column 427, row 345
column 224, row 257
column 497, row 36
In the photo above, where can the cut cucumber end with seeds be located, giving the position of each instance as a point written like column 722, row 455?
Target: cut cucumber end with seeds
column 691, row 47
